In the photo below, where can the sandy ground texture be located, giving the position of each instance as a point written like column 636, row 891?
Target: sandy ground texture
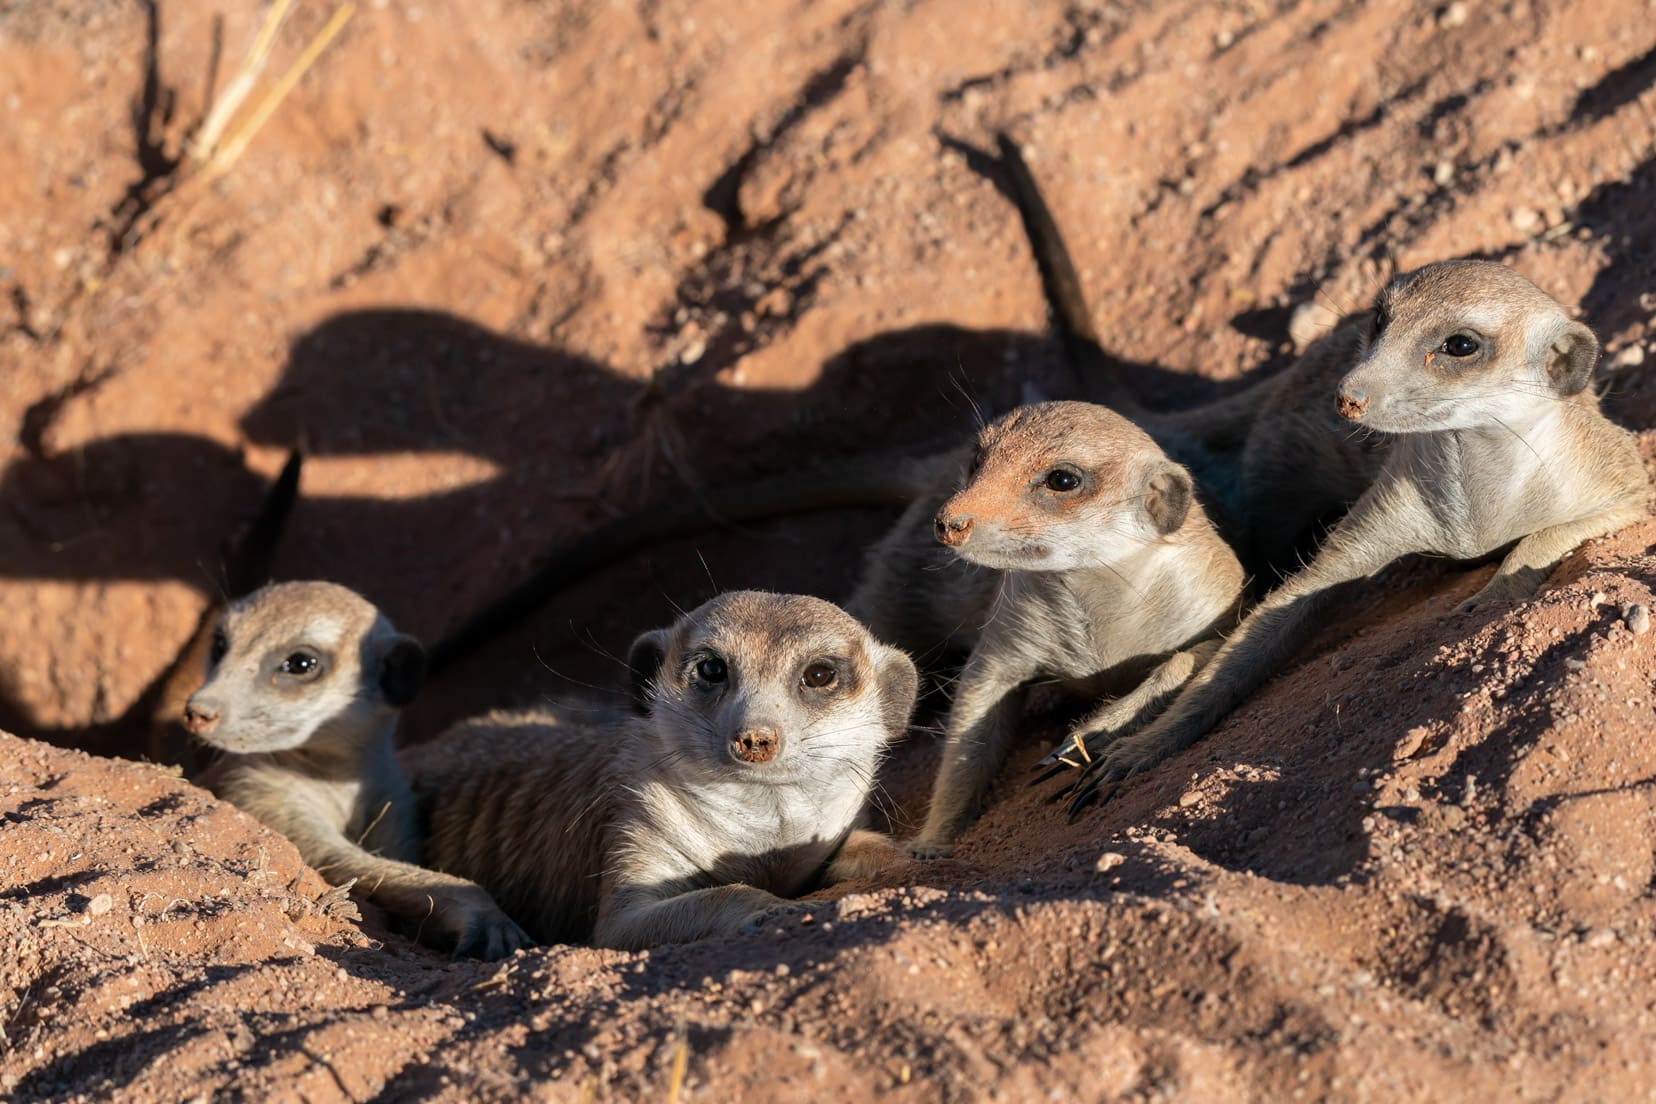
column 509, row 269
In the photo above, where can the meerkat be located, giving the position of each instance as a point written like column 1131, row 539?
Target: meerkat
column 1070, row 548
column 1493, row 440
column 738, row 780
column 304, row 685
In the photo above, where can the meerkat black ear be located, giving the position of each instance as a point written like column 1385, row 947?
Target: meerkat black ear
column 899, row 687
column 1571, row 358
column 1167, row 498
column 644, row 664
column 402, row 670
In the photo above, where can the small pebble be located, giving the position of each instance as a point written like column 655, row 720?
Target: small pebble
column 1108, row 861
column 1409, row 744
column 1525, row 220
column 101, row 904
column 1636, row 617
column 1455, row 15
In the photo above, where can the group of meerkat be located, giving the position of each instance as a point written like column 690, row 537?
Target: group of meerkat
column 1071, row 542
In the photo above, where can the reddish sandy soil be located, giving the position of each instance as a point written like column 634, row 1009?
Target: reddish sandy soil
column 507, row 269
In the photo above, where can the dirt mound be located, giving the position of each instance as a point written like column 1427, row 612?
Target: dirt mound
column 509, row 271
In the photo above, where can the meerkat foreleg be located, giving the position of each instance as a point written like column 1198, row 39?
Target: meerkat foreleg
column 462, row 911
column 1120, row 716
column 981, row 725
column 1532, row 559
column 1371, row 536
column 865, row 854
column 635, row 918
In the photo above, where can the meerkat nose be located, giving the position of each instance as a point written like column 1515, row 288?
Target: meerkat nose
column 953, row 529
column 756, row 745
column 201, row 717
column 1352, row 403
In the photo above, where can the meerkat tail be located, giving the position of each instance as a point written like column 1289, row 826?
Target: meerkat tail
column 871, row 481
column 248, row 562
column 1097, row 372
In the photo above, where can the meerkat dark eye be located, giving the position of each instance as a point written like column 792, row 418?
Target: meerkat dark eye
column 300, row 665
column 220, row 648
column 1460, row 345
column 712, row 669
column 1061, row 480
column 1378, row 323
column 819, row 676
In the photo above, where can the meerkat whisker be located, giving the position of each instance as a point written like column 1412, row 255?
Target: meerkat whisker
column 385, row 808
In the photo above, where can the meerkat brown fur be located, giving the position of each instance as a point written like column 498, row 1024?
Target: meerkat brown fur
column 1072, row 549
column 740, row 780
column 304, row 684
column 1481, row 382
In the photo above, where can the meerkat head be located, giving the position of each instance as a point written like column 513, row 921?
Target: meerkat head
column 772, row 688
column 1061, row 485
column 1465, row 345
column 293, row 661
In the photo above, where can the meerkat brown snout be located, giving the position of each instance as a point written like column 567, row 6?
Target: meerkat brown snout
column 304, row 684
column 738, row 780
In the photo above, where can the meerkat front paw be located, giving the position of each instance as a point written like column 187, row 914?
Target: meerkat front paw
column 1081, row 750
column 762, row 919
column 866, row 854
column 922, row 848
column 1504, row 587
column 467, row 919
column 1125, row 758
column 493, row 937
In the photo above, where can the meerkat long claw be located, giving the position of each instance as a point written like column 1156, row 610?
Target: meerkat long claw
column 1051, row 772
column 1061, row 754
column 1085, row 794
column 1062, row 793
column 1101, row 773
column 1047, row 762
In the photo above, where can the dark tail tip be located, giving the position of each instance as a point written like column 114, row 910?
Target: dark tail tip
column 247, row 566
column 1096, row 371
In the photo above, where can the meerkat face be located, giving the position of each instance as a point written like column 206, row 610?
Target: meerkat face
column 771, row 688
column 1062, row 485
column 294, row 661
column 1465, row 345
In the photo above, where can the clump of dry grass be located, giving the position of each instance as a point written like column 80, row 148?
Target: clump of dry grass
column 213, row 150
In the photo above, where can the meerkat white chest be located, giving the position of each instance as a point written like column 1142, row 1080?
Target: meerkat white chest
column 773, row 836
column 1487, row 488
column 1081, row 623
